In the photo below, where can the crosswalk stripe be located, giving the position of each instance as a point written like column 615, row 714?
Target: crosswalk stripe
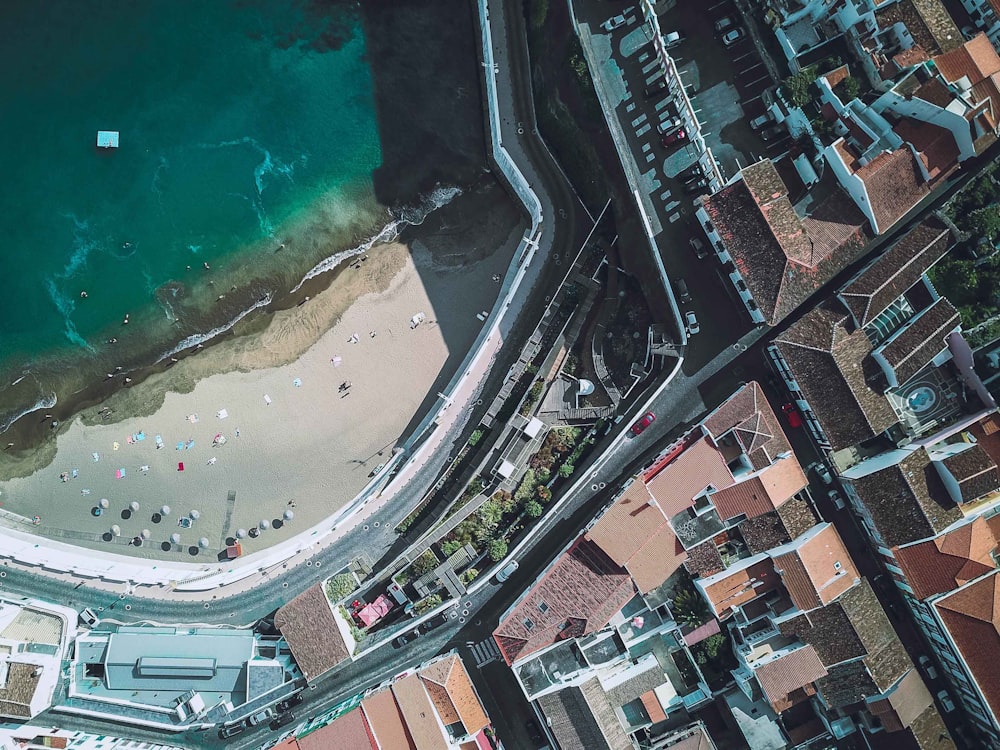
column 485, row 652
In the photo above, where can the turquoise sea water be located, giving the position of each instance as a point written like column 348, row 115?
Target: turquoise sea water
column 239, row 122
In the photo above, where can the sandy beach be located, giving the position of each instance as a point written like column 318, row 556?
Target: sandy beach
column 260, row 426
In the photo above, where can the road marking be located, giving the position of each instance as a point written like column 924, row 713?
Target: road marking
column 758, row 80
column 748, row 101
column 485, row 652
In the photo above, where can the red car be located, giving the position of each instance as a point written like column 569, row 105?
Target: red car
column 645, row 421
column 674, row 139
column 794, row 418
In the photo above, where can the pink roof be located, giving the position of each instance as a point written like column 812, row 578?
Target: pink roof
column 372, row 613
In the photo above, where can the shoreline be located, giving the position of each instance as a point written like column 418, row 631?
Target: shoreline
column 448, row 263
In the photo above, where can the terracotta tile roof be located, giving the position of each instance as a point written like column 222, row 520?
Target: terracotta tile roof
column 704, row 560
column 386, row 721
column 975, row 471
column 830, row 360
column 909, row 57
column 936, row 92
column 789, row 679
column 582, row 717
column 837, row 75
column 816, row 568
column 764, row 532
column 749, row 416
column 797, row 516
column 451, row 691
column 418, row 713
column 578, row 595
column 763, row 492
column 18, row 689
column 635, row 534
column 653, row 708
column 928, row 22
column 311, row 632
column 987, row 434
column 972, row 617
column 739, row 585
column 928, row 731
column 780, row 260
column 948, row 561
column 855, row 640
column 936, row 147
column 680, row 481
column 988, row 90
column 348, row 732
column 903, row 704
column 894, row 185
column 923, row 337
column 896, row 270
column 907, row 502
column 975, row 60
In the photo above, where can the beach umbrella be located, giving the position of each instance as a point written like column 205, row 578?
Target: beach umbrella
column 195, row 515
column 145, row 534
column 264, row 524
column 203, row 543
column 103, row 502
column 288, row 515
column 241, row 533
column 134, row 505
column 165, row 510
column 175, row 538
column 116, row 530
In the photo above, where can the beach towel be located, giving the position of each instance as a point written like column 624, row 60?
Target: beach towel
column 180, row 446
column 189, row 445
column 129, row 440
column 337, row 359
column 144, row 467
column 115, row 445
column 222, row 413
column 297, row 382
column 96, row 456
column 192, row 418
column 75, row 473
column 84, row 492
column 180, row 467
column 120, row 473
column 159, row 442
column 267, row 399
column 141, row 436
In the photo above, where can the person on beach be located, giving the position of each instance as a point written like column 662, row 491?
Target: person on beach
column 207, row 267
column 125, row 322
column 83, row 295
column 372, row 334
column 112, row 341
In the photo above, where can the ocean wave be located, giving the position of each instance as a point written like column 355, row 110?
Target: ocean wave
column 403, row 217
column 200, row 338
column 83, row 246
column 45, row 402
column 66, row 306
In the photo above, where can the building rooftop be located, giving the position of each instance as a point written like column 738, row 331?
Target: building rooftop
column 634, row 533
column 928, row 22
column 788, row 679
column 896, row 270
column 936, row 146
column 816, row 568
column 951, row 559
column 18, row 689
column 903, row 704
column 748, row 418
column 972, row 617
column 386, row 721
column 418, row 713
column 762, row 492
column 907, row 501
column 782, row 258
column 975, row 471
column 348, row 732
column 581, row 716
column 894, row 185
column 914, row 346
column 576, row 596
column 451, row 691
column 676, row 485
column 975, row 60
column 739, row 584
column 829, row 360
column 311, row 631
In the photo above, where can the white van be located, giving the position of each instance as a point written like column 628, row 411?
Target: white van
column 507, row 571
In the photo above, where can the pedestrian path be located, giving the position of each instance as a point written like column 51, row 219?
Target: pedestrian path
column 485, row 652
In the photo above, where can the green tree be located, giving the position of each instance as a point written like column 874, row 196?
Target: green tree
column 427, row 604
column 450, row 546
column 566, row 469
column 798, row 88
column 851, row 87
column 497, row 549
column 470, row 575
column 476, row 436
column 533, row 508
column 544, row 493
column 527, row 486
column 539, row 10
column 425, row 563
column 341, row 586
column 689, row 608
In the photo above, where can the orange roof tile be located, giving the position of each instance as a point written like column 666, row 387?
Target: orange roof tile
column 894, row 185
column 652, row 705
column 788, row 679
column 948, row 560
column 347, row 732
column 656, row 560
column 418, row 713
column 697, row 468
column 904, row 703
column 309, row 628
column 386, row 721
column 451, row 691
column 817, row 568
column 936, row 146
column 739, row 585
column 975, row 60
column 972, row 617
column 763, row 492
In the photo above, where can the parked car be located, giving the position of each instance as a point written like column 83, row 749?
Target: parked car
column 282, row 719
column 946, row 702
column 773, row 133
column 731, row 37
column 643, row 422
column 821, row 471
column 507, row 571
column 533, row 731
column 724, row 23
column 699, row 248
column 613, row 23
column 692, row 323
column 691, row 172
column 758, row 122
column 674, row 139
column 672, row 39
column 696, row 186
column 836, row 499
column 664, row 127
column 260, row 717
column 928, row 667
column 88, row 617
column 683, row 293
column 407, row 637
column 655, row 88
column 793, row 416
column 292, row 700
column 231, row 731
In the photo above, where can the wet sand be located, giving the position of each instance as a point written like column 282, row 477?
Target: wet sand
column 304, row 444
